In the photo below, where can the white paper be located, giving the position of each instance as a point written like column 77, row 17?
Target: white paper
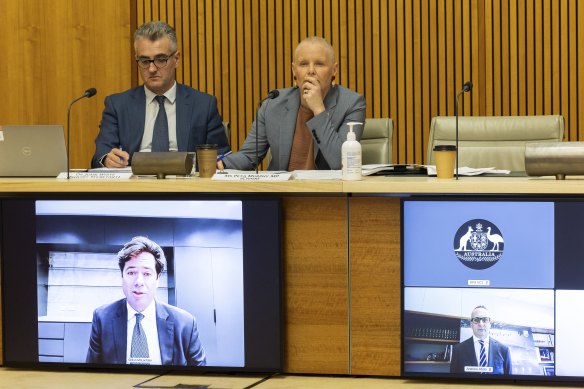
column 127, row 169
column 469, row 171
column 317, row 174
column 239, row 175
column 371, row 169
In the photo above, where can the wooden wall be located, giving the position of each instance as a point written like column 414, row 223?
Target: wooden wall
column 52, row 51
column 408, row 57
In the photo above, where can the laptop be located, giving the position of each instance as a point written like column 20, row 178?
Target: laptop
column 32, row 151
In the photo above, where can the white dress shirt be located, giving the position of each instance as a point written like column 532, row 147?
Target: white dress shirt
column 478, row 349
column 152, row 108
column 149, row 327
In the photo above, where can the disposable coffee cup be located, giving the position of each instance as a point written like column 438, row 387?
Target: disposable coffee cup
column 206, row 160
column 445, row 156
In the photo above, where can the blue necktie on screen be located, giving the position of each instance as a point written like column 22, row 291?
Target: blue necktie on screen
column 482, row 354
column 139, row 342
column 160, row 135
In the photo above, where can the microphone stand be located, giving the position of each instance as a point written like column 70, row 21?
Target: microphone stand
column 465, row 88
column 271, row 95
column 257, row 157
column 456, row 115
column 69, row 132
column 88, row 93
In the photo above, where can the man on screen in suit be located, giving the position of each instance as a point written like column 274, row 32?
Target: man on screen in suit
column 480, row 350
column 304, row 126
column 139, row 329
column 161, row 115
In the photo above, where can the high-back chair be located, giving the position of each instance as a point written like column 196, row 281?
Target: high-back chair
column 493, row 141
column 376, row 141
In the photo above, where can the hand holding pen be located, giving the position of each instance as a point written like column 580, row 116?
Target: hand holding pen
column 220, row 165
column 117, row 158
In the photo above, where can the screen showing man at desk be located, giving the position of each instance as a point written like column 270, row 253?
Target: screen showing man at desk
column 139, row 315
column 141, row 282
column 479, row 288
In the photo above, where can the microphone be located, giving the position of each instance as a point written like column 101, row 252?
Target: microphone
column 465, row 88
column 271, row 95
column 88, row 93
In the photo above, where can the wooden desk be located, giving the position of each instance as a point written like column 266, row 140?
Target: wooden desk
column 341, row 255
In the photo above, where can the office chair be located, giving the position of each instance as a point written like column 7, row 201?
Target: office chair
column 493, row 141
column 376, row 141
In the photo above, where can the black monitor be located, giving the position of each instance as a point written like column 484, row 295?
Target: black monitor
column 504, row 271
column 67, row 301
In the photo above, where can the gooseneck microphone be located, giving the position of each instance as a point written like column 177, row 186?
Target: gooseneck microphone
column 88, row 93
column 271, row 95
column 465, row 88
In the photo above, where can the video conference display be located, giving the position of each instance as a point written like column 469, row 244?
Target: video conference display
column 492, row 289
column 181, row 284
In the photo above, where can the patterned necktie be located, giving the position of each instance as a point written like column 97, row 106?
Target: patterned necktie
column 482, row 354
column 160, row 135
column 139, row 342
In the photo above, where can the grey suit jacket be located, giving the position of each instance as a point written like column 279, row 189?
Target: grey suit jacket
column 276, row 122
column 122, row 123
column 178, row 336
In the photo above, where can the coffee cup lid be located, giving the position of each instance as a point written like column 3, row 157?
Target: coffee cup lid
column 445, row 148
column 207, row 146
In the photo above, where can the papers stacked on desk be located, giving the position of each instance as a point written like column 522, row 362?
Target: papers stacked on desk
column 393, row 169
column 405, row 169
column 469, row 171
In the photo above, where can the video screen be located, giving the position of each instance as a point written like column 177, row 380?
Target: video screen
column 492, row 288
column 155, row 284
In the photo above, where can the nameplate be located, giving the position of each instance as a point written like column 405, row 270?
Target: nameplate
column 479, row 283
column 478, row 369
column 251, row 176
column 96, row 176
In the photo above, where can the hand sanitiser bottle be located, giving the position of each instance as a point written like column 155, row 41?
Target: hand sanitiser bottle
column 351, row 155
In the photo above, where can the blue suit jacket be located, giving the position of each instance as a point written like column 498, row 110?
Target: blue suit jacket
column 122, row 122
column 276, row 123
column 463, row 354
column 178, row 336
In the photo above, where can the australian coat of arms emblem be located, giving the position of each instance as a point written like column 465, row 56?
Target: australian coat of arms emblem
column 478, row 244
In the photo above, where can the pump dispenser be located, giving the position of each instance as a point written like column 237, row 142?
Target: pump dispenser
column 351, row 155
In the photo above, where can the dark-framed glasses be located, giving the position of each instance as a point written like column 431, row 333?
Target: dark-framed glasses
column 159, row 62
column 478, row 320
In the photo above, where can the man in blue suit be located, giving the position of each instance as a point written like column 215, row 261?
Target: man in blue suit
column 481, row 353
column 129, row 120
column 139, row 329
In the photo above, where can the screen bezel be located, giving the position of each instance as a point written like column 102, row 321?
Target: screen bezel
column 262, row 234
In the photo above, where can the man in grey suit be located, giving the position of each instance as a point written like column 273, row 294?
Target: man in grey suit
column 305, row 126
column 139, row 329
column 481, row 353
column 131, row 120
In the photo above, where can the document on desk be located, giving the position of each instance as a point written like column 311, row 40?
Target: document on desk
column 99, row 174
column 385, row 169
column 239, row 175
column 470, row 171
column 317, row 174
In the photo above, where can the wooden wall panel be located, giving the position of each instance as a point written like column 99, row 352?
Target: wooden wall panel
column 57, row 50
column 409, row 58
column 374, row 245
column 316, row 333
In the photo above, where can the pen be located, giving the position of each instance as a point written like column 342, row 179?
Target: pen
column 121, row 158
column 219, row 158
